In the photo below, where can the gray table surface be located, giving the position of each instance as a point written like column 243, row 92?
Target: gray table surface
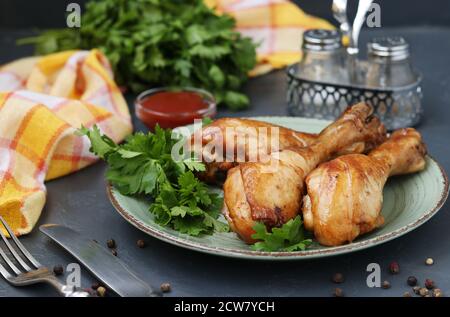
column 79, row 201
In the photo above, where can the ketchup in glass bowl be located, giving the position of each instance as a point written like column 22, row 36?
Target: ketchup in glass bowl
column 174, row 107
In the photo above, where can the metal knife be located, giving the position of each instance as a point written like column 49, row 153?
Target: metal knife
column 353, row 49
column 109, row 270
column 339, row 8
column 363, row 8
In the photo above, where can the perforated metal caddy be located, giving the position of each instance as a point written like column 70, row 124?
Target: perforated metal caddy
column 396, row 107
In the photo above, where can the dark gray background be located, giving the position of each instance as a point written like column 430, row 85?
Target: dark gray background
column 48, row 13
column 79, row 201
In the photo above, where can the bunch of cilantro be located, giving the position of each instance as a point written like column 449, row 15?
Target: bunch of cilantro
column 162, row 42
column 143, row 165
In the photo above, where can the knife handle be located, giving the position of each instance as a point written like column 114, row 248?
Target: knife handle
column 65, row 290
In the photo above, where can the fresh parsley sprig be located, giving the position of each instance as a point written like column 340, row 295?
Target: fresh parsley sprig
column 289, row 237
column 143, row 165
column 163, row 43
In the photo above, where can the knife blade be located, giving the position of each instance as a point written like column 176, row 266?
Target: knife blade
column 109, row 270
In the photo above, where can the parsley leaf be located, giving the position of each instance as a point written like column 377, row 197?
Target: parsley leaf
column 101, row 145
column 207, row 120
column 289, row 237
column 143, row 165
column 194, row 165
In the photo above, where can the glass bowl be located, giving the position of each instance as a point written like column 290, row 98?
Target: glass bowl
column 172, row 119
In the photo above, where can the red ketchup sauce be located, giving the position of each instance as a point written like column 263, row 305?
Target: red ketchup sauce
column 171, row 109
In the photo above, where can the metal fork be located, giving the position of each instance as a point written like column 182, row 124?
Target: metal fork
column 32, row 272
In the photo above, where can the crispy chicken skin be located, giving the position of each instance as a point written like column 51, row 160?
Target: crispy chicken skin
column 345, row 196
column 271, row 192
column 216, row 169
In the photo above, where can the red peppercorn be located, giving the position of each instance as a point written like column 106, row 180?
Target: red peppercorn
column 91, row 291
column 429, row 283
column 394, row 268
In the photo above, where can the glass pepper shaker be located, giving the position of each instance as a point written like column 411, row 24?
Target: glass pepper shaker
column 389, row 64
column 323, row 57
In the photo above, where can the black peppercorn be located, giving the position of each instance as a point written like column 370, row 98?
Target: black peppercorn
column 111, row 243
column 58, row 269
column 338, row 278
column 141, row 243
column 412, row 281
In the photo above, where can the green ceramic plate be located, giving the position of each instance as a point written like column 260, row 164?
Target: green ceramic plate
column 409, row 201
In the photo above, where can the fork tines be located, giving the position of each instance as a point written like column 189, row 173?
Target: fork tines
column 25, row 267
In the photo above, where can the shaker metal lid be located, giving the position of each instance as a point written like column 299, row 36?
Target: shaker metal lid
column 322, row 40
column 394, row 47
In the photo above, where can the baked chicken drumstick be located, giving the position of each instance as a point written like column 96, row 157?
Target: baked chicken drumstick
column 271, row 192
column 345, row 196
column 229, row 130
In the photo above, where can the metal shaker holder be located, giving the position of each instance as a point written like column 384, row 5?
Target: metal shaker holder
column 330, row 77
column 397, row 107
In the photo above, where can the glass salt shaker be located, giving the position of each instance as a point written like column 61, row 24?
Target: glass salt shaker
column 323, row 57
column 389, row 64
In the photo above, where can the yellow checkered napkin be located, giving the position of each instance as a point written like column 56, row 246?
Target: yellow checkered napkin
column 277, row 24
column 42, row 102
